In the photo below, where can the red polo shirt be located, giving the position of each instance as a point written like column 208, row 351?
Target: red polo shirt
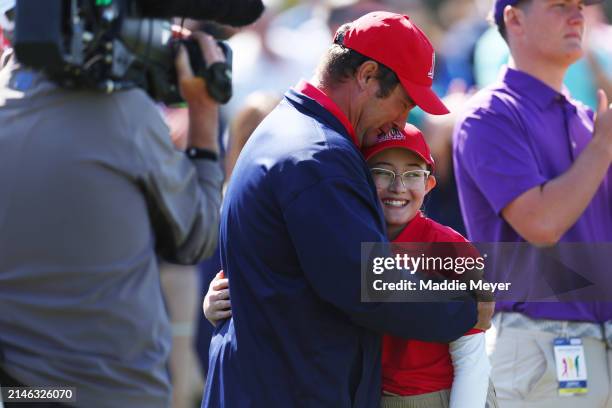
column 4, row 43
column 413, row 367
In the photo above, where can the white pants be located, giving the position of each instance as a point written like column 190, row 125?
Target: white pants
column 524, row 372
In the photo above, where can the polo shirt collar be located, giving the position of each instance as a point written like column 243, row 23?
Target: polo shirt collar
column 532, row 88
column 326, row 102
column 414, row 231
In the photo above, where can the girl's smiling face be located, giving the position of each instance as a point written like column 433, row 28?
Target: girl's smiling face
column 401, row 195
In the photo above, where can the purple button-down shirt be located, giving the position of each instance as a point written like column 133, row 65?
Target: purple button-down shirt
column 517, row 134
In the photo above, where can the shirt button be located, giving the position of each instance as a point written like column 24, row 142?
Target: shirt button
column 573, row 145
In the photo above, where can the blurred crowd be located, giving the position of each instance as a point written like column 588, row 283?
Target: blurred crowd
column 283, row 47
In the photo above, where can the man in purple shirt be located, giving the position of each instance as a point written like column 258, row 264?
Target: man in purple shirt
column 533, row 165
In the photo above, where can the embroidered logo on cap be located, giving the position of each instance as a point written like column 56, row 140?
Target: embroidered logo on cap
column 394, row 134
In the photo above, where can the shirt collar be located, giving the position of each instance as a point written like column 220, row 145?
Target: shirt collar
column 414, row 231
column 325, row 101
column 532, row 88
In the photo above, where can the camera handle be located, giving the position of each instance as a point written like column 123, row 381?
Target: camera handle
column 218, row 75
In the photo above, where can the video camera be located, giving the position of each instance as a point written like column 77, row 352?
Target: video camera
column 110, row 45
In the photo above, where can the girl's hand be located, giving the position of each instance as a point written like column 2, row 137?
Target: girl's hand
column 216, row 303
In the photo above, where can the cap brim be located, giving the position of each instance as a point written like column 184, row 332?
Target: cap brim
column 373, row 151
column 424, row 97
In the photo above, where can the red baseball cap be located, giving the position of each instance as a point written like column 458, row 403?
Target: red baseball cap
column 410, row 138
column 394, row 41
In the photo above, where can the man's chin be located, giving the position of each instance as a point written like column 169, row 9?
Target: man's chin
column 573, row 53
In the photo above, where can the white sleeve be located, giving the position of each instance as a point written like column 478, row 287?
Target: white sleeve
column 472, row 368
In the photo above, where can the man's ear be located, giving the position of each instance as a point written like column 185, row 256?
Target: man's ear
column 514, row 20
column 430, row 183
column 366, row 75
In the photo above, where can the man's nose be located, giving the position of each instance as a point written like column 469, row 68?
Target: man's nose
column 576, row 15
column 400, row 120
